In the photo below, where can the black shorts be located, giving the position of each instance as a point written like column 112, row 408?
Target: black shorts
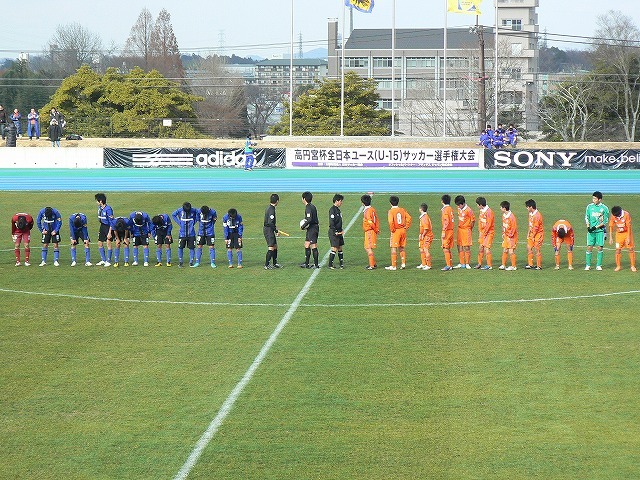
column 312, row 234
column 234, row 242
column 189, row 242
column 335, row 240
column 140, row 240
column 270, row 236
column 163, row 239
column 49, row 238
column 78, row 236
column 122, row 237
column 104, row 231
column 206, row 240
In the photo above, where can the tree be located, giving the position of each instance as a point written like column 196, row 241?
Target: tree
column 71, row 46
column 317, row 112
column 262, row 103
column 132, row 104
column 617, row 59
column 165, row 55
column 21, row 88
column 138, row 44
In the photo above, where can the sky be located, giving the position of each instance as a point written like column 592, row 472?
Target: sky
column 263, row 27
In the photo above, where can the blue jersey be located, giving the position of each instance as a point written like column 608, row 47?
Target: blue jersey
column 207, row 223
column 127, row 223
column 51, row 223
column 186, row 221
column 105, row 214
column 144, row 228
column 79, row 230
column 232, row 226
column 165, row 228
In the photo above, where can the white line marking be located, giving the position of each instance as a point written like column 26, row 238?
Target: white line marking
column 246, row 378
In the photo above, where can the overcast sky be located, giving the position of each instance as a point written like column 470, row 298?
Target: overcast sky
column 263, row 27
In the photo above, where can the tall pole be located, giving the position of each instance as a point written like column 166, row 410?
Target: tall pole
column 344, row 9
column 444, row 76
column 495, row 66
column 393, row 70
column 482, row 101
column 291, row 76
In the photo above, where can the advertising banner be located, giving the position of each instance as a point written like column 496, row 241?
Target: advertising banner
column 190, row 158
column 562, row 159
column 427, row 158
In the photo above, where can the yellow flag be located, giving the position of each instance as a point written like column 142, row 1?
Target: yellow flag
column 471, row 7
column 361, row 5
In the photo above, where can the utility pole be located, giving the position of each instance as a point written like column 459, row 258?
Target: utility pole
column 482, row 103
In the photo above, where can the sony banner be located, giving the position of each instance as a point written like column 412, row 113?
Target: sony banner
column 190, row 158
column 562, row 159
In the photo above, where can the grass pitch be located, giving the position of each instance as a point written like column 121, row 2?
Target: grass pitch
column 116, row 373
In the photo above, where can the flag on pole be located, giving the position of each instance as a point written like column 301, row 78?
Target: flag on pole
column 471, row 7
column 362, row 5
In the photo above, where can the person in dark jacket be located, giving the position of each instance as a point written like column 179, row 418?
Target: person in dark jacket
column 54, row 133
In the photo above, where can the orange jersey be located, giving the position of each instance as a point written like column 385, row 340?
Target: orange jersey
column 466, row 218
column 620, row 224
column 509, row 226
column 426, row 231
column 536, row 227
column 398, row 218
column 447, row 218
column 486, row 222
column 370, row 220
column 569, row 238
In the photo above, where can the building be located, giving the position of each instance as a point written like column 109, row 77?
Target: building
column 419, row 72
column 306, row 71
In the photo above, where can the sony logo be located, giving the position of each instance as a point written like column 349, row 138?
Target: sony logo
column 505, row 158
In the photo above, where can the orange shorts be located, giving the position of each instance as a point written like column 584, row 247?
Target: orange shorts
column 486, row 240
column 509, row 242
column 536, row 241
column 447, row 241
column 465, row 237
column 398, row 238
column 624, row 240
column 425, row 243
column 370, row 239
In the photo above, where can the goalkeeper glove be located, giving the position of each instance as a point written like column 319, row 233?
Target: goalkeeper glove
column 591, row 229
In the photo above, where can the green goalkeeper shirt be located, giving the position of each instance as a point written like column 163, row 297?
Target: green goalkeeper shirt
column 597, row 215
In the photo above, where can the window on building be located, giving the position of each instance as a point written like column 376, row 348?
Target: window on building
column 356, row 62
column 385, row 62
column 516, row 49
column 512, row 24
column 511, row 97
column 385, row 83
column 455, row 62
column 421, row 62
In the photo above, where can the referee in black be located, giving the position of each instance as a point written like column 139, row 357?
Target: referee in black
column 270, row 231
column 312, row 226
column 336, row 232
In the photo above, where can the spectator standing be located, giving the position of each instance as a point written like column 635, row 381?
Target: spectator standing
column 3, row 121
column 55, row 133
column 33, row 124
column 16, row 118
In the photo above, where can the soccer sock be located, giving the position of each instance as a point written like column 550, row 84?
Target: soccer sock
column 87, row 255
column 599, row 257
column 315, row 256
column 180, row 254
column 341, row 257
column 423, row 258
column 198, row 255
column 448, row 258
column 588, row 260
column 530, row 258
column 513, row 259
column 168, row 255
column 44, row 254
column 403, row 257
column 372, row 260
column 480, row 255
column 467, row 257
column 192, row 254
column 135, row 255
column 230, row 256
column 307, row 255
column 461, row 257
column 274, row 256
column 158, row 255
column 102, row 255
column 239, row 255
column 126, row 254
column 504, row 258
column 558, row 259
column 109, row 253
column 570, row 258
column 539, row 260
column 212, row 255
column 145, row 254
column 16, row 251
column 56, row 255
column 618, row 258
column 116, row 255
column 268, row 257
column 489, row 259
column 27, row 253
column 332, row 257
column 73, row 253
column 632, row 258
column 428, row 259
column 394, row 259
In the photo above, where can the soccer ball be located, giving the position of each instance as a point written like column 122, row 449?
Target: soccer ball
column 302, row 223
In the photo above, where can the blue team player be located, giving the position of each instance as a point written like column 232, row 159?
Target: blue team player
column 206, row 234
column 233, row 229
column 161, row 227
column 121, row 231
column 105, row 216
column 186, row 218
column 78, row 230
column 140, row 233
column 249, row 156
column 49, row 222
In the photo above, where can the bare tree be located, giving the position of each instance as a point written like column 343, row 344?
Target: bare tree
column 262, row 103
column 164, row 48
column 617, row 57
column 138, row 44
column 71, row 46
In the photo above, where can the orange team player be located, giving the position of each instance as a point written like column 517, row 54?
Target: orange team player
column 399, row 223
column 486, row 232
column 371, row 227
column 509, row 236
column 535, row 236
column 466, row 221
column 447, row 231
column 620, row 222
column 425, row 238
column 562, row 232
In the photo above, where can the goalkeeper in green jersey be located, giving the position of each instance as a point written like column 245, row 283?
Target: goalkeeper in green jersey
column 596, row 219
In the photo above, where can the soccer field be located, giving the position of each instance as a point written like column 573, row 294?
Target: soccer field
column 139, row 373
